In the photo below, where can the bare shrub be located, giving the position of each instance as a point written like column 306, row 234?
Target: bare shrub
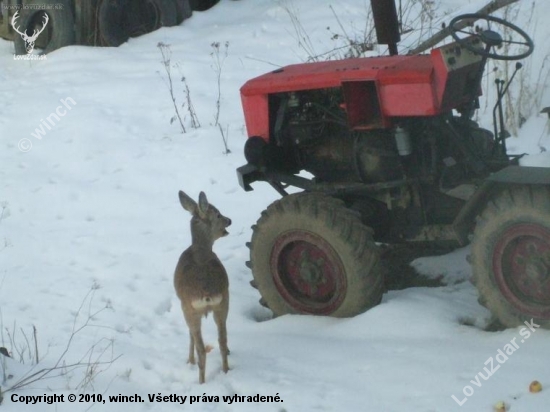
column 225, row 138
column 95, row 360
column 218, row 54
column 166, row 53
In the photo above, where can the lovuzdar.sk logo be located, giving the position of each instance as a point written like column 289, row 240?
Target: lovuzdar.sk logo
column 29, row 40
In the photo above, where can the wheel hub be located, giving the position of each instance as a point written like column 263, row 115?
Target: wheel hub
column 536, row 267
column 308, row 272
column 521, row 263
column 491, row 38
column 311, row 269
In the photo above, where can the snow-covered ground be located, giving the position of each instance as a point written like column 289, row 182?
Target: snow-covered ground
column 93, row 226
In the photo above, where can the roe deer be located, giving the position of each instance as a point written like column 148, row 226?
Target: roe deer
column 201, row 280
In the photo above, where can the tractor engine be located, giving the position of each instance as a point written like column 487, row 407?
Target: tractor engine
column 309, row 130
column 312, row 128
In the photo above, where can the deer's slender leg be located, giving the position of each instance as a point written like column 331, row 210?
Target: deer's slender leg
column 220, row 317
column 201, row 351
column 191, row 358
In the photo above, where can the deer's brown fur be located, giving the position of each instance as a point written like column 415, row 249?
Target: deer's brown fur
column 200, row 279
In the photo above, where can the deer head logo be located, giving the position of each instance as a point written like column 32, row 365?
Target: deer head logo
column 29, row 40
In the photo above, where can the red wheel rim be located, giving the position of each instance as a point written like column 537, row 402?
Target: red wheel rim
column 521, row 264
column 308, row 273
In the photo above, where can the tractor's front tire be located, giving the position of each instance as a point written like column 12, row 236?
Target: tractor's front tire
column 511, row 256
column 311, row 255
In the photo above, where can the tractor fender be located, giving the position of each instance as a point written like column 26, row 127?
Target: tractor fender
column 494, row 184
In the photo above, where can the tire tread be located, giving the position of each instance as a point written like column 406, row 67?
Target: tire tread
column 365, row 287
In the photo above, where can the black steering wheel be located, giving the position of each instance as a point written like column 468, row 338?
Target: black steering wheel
column 489, row 37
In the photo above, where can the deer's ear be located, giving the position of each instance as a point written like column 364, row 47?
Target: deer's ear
column 203, row 204
column 187, row 203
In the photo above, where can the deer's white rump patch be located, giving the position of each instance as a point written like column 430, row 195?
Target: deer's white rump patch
column 206, row 302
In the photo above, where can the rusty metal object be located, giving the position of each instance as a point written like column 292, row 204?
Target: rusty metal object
column 386, row 23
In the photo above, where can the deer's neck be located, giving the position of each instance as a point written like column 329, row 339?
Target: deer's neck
column 202, row 241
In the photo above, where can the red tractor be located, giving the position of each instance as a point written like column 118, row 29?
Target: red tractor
column 393, row 157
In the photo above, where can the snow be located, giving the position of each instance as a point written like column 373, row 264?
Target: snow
column 92, row 221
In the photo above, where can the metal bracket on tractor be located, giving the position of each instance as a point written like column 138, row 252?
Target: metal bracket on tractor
column 394, row 157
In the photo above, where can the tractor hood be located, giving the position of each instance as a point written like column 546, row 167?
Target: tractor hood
column 320, row 75
column 400, row 86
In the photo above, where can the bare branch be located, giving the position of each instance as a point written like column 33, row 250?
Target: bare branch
column 91, row 360
column 489, row 8
column 166, row 56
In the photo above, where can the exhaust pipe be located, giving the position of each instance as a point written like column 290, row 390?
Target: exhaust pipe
column 386, row 23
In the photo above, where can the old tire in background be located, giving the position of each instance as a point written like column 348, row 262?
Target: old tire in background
column 202, row 5
column 184, row 10
column 59, row 31
column 118, row 20
column 311, row 255
column 511, row 256
column 86, row 22
column 167, row 12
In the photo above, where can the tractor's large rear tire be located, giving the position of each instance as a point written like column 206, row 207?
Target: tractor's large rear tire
column 511, row 256
column 311, row 255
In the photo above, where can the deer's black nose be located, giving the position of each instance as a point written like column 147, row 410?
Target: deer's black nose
column 228, row 222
